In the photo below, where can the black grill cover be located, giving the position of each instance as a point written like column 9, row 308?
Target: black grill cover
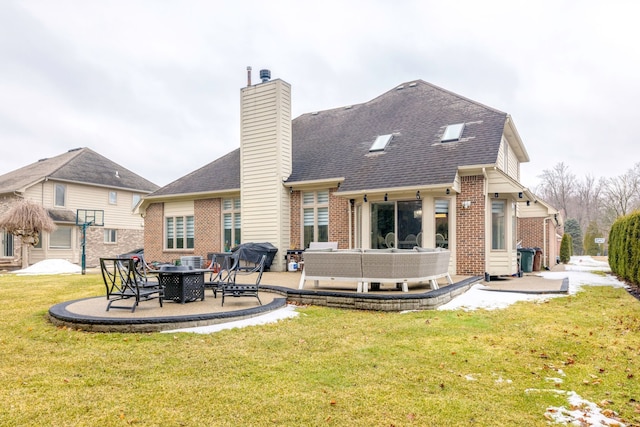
column 252, row 252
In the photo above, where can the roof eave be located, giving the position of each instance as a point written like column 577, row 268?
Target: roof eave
column 163, row 198
column 511, row 133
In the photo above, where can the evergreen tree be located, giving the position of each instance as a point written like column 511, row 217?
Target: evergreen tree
column 572, row 227
column 565, row 248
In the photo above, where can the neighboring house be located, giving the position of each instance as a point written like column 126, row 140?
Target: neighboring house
column 77, row 179
column 418, row 165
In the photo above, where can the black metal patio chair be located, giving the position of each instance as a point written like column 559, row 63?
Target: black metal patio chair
column 220, row 267
column 233, row 288
column 123, row 282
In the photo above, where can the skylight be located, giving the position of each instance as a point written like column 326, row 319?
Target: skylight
column 452, row 132
column 381, row 142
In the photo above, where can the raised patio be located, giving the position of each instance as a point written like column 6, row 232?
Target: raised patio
column 279, row 289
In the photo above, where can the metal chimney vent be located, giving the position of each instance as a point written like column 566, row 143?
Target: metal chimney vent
column 265, row 75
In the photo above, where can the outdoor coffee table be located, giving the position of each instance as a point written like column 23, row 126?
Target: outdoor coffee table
column 182, row 284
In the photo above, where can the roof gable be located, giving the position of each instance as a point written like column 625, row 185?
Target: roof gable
column 81, row 165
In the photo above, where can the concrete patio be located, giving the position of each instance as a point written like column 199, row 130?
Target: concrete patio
column 279, row 289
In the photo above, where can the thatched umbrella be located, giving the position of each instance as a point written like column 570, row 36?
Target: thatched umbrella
column 26, row 220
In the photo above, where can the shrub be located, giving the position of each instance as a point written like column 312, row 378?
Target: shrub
column 565, row 248
column 624, row 247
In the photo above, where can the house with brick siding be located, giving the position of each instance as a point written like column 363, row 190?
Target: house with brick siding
column 77, row 179
column 416, row 166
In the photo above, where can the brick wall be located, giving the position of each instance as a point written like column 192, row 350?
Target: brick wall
column 338, row 220
column 154, row 232
column 470, row 227
column 207, row 224
column 295, row 229
column 531, row 232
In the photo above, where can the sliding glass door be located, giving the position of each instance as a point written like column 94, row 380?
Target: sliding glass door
column 396, row 224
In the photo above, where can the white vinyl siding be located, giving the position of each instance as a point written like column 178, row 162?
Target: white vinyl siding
column 265, row 163
column 507, row 160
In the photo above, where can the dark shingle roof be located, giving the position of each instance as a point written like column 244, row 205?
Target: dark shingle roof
column 81, row 165
column 335, row 143
column 220, row 175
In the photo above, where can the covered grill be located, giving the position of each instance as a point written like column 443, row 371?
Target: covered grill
column 252, row 252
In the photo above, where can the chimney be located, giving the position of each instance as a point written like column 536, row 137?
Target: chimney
column 265, row 75
column 248, row 76
column 265, row 163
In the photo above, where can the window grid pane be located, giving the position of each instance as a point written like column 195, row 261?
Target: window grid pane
column 308, row 198
column 323, row 197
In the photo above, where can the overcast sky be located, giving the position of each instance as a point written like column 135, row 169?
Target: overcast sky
column 155, row 85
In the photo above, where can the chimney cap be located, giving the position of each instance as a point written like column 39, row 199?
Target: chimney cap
column 265, row 75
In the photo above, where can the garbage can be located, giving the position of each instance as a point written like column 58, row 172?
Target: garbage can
column 526, row 259
column 537, row 259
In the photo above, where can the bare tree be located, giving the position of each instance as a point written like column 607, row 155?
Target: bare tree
column 621, row 192
column 587, row 200
column 26, row 219
column 558, row 186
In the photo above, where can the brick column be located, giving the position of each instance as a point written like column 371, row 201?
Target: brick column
column 470, row 227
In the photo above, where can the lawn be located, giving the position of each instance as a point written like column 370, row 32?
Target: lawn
column 325, row 367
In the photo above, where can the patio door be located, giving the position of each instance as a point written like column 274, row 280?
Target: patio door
column 396, row 224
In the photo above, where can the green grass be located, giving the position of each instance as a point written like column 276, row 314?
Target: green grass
column 325, row 367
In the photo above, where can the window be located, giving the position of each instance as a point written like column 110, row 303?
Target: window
column 60, row 238
column 110, row 235
column 180, row 232
column 231, row 220
column 113, row 197
column 381, row 143
column 59, row 195
column 315, row 217
column 7, row 243
column 442, row 223
column 498, row 224
column 453, row 132
column 135, row 199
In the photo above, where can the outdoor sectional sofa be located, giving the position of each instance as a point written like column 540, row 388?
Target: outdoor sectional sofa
column 376, row 266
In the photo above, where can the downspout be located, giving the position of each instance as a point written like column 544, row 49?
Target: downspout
column 487, row 251
column 544, row 240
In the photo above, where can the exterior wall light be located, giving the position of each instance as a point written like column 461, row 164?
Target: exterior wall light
column 386, row 197
column 448, row 192
column 495, row 195
column 418, row 195
column 365, row 198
